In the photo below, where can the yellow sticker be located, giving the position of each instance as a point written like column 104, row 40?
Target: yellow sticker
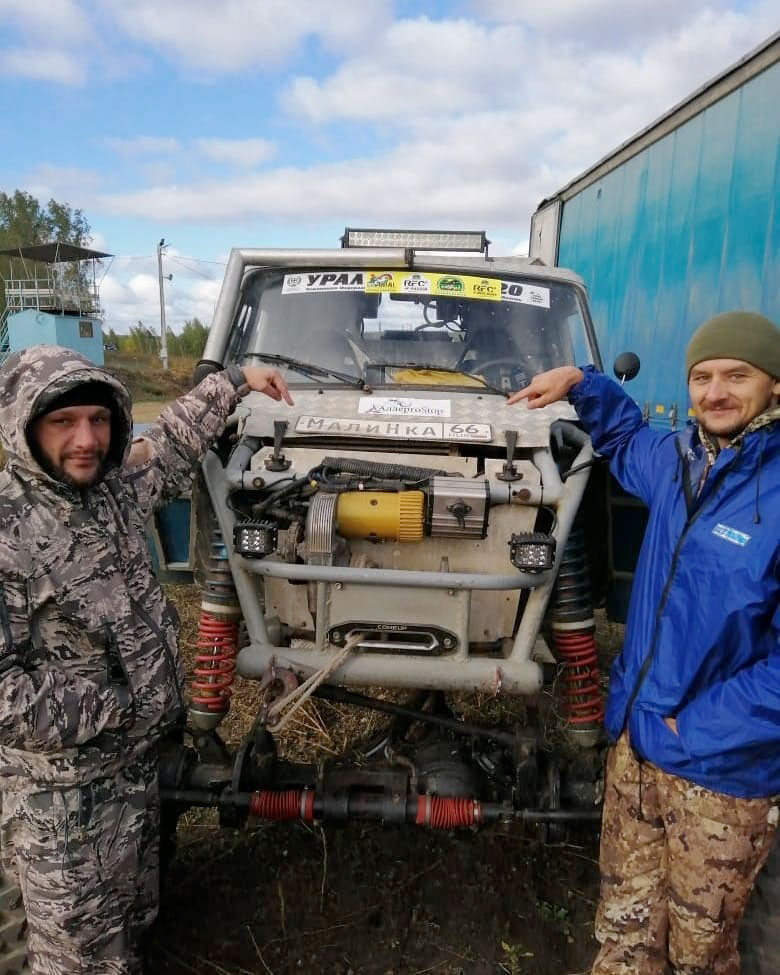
column 659, row 408
column 437, row 285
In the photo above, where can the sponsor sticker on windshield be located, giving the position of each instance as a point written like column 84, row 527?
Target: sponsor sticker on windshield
column 417, row 283
column 436, row 285
column 329, row 426
column 525, row 294
column 309, row 281
column 404, row 406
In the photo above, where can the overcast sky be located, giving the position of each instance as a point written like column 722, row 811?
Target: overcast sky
column 257, row 123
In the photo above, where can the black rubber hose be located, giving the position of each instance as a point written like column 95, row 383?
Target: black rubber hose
column 371, row 468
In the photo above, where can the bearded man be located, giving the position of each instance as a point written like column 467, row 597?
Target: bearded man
column 693, row 713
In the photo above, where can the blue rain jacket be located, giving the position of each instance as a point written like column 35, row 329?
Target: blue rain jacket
column 702, row 641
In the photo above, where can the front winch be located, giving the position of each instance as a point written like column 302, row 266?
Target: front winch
column 397, row 637
column 381, row 515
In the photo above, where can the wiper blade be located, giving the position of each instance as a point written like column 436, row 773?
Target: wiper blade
column 421, row 366
column 310, row 369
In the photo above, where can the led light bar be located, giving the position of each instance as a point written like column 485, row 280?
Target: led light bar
column 427, row 240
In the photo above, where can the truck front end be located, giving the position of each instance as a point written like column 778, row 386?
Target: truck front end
column 399, row 528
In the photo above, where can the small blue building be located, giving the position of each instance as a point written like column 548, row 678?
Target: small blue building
column 51, row 296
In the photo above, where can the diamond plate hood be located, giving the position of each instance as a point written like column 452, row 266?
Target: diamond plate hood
column 532, row 426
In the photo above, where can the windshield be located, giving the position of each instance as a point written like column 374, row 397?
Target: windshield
column 412, row 328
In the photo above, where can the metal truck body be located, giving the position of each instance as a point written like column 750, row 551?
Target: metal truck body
column 677, row 224
column 400, row 528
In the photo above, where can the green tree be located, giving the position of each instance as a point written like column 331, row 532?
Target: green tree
column 142, row 341
column 192, row 340
column 24, row 222
column 174, row 343
column 121, row 343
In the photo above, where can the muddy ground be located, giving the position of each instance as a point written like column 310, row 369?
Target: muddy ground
column 366, row 899
column 371, row 900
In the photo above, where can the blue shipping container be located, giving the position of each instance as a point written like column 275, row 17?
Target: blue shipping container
column 676, row 225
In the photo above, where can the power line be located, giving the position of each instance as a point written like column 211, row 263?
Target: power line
column 151, row 257
column 202, row 260
column 188, row 268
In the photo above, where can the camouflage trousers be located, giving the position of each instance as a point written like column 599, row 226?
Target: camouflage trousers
column 86, row 860
column 678, row 863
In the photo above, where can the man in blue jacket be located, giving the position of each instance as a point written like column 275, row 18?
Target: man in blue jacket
column 693, row 713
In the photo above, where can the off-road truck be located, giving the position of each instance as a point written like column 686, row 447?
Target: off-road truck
column 400, row 528
column 401, row 540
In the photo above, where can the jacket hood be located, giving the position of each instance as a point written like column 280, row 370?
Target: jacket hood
column 31, row 378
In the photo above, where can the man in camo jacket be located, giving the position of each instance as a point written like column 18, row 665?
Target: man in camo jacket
column 90, row 675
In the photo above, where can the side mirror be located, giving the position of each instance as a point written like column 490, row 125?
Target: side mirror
column 626, row 366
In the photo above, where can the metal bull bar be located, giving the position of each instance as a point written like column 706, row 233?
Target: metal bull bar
column 518, row 673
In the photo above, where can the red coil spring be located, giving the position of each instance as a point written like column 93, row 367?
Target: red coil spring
column 215, row 664
column 290, row 804
column 582, row 692
column 439, row 812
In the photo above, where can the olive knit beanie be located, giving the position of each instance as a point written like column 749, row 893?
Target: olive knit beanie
column 740, row 335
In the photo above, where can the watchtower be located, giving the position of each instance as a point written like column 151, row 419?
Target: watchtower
column 51, row 295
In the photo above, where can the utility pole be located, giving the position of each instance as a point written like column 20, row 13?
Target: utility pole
column 163, row 336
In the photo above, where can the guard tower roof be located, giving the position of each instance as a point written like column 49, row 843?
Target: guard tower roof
column 54, row 253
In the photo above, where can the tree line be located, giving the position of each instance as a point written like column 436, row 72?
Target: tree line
column 144, row 342
column 24, row 221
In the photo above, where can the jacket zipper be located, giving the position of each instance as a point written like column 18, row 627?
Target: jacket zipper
column 5, row 622
column 150, row 623
column 643, row 670
column 113, row 652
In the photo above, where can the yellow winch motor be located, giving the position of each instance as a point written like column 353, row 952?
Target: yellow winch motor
column 392, row 516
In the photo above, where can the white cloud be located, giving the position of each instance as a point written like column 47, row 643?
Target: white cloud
column 466, row 151
column 142, row 145
column 155, row 173
column 43, row 40
column 243, row 34
column 237, row 152
column 418, row 69
column 42, row 65
column 98, row 242
column 598, row 24
column 68, row 184
column 130, row 292
column 413, row 183
column 54, row 19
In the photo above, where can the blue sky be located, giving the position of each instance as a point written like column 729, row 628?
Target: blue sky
column 221, row 123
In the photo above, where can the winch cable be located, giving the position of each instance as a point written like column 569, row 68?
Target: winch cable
column 281, row 711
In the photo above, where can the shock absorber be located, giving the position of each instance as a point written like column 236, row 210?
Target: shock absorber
column 217, row 644
column 573, row 628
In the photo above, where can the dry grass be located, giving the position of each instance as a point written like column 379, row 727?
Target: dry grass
column 148, row 411
column 321, row 729
column 318, row 730
column 147, row 380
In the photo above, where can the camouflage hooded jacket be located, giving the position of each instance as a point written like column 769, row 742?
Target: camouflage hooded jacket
column 90, row 675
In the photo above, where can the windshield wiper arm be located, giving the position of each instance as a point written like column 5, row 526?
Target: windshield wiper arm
column 308, row 368
column 419, row 366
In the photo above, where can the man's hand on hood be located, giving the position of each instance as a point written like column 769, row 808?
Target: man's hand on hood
column 264, row 379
